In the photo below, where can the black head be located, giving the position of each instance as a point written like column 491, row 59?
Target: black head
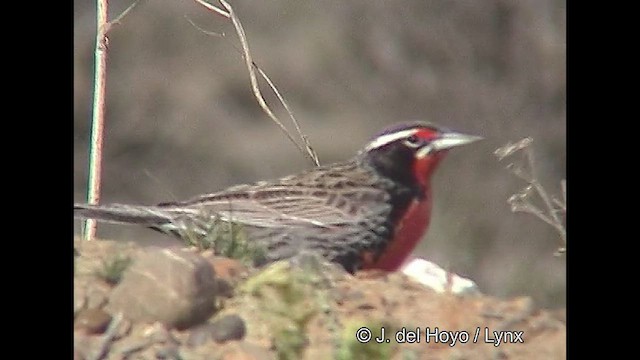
column 409, row 153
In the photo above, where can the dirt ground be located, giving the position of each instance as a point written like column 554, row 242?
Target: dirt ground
column 287, row 312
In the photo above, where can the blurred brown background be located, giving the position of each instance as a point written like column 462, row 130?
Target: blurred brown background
column 181, row 118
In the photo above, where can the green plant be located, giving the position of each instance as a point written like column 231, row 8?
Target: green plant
column 225, row 238
column 287, row 301
column 112, row 269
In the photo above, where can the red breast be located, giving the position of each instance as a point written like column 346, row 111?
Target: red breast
column 407, row 235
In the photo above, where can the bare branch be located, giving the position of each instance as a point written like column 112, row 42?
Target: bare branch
column 307, row 144
column 522, row 201
column 562, row 203
column 252, row 75
column 97, row 121
column 211, row 33
column 530, row 209
column 103, row 26
column 510, row 148
column 251, row 67
column 213, row 8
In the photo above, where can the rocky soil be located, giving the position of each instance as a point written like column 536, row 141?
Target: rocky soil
column 172, row 303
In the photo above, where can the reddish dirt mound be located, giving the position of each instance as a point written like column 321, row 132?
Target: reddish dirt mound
column 289, row 312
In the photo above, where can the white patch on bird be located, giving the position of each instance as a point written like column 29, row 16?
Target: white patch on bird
column 426, row 150
column 389, row 138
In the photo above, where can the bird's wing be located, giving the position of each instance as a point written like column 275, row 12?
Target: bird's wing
column 279, row 206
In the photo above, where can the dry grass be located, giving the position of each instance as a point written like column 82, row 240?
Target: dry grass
column 553, row 210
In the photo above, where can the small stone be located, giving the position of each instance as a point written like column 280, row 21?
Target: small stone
column 436, row 278
column 224, row 288
column 366, row 306
column 168, row 351
column 230, row 327
column 174, row 287
column 93, row 321
column 199, row 335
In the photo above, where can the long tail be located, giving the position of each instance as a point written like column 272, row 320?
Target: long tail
column 150, row 216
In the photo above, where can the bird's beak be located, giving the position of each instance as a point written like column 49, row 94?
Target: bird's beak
column 452, row 139
column 446, row 141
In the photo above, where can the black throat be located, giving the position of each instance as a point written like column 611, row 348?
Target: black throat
column 395, row 162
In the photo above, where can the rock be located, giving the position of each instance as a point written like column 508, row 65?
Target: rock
column 168, row 351
column 224, row 288
column 229, row 327
column 174, row 287
column 436, row 278
column 93, row 321
column 199, row 335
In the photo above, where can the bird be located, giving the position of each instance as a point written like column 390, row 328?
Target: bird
column 368, row 212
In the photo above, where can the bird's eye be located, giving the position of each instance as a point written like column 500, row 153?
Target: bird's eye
column 413, row 141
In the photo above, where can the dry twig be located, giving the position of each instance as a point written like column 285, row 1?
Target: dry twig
column 97, row 121
column 554, row 210
column 228, row 13
column 97, row 128
column 108, row 336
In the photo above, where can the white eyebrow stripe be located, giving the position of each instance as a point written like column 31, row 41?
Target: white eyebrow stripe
column 389, row 138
